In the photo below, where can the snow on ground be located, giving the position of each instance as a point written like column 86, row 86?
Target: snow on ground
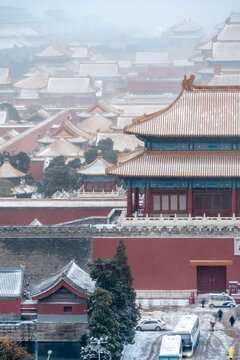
column 212, row 345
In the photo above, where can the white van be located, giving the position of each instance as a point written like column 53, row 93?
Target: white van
column 221, row 300
column 171, row 347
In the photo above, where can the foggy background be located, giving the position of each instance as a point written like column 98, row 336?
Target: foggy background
column 125, row 17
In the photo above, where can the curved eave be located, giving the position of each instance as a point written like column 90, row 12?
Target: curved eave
column 63, row 281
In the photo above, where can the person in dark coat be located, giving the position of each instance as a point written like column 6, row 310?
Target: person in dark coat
column 220, row 314
column 203, row 302
column 232, row 320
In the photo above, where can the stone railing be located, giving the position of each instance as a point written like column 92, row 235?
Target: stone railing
column 178, row 221
column 119, row 193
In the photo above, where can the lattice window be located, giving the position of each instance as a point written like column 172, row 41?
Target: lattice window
column 182, row 202
column 156, row 202
column 174, row 202
column 165, row 204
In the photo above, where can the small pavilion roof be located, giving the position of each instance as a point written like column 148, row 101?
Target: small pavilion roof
column 102, row 107
column 180, row 164
column 95, row 123
column 59, row 147
column 7, row 171
column 71, row 274
column 197, row 111
column 68, row 129
column 54, row 50
column 11, row 283
column 186, row 26
column 97, row 167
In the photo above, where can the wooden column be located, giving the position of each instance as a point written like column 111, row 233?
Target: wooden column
column 129, row 201
column 136, row 199
column 190, row 201
column 234, row 201
column 147, row 201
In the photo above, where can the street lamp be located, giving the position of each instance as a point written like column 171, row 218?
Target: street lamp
column 36, row 339
column 99, row 342
column 49, row 354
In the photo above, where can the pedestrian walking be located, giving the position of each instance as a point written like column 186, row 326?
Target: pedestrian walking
column 212, row 325
column 232, row 320
column 220, row 314
column 230, row 352
column 203, row 302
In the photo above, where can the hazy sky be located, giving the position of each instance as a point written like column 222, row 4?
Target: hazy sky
column 143, row 13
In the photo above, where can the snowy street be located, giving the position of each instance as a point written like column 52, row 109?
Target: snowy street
column 212, row 345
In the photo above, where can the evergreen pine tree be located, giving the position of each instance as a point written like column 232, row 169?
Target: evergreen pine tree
column 114, row 275
column 102, row 325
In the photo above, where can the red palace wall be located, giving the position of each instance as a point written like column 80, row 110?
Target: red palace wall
column 36, row 170
column 58, row 309
column 10, row 306
column 163, row 263
column 48, row 216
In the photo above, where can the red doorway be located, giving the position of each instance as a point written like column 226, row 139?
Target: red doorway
column 211, row 279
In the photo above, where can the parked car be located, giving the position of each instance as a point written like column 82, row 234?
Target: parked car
column 151, row 324
column 221, row 300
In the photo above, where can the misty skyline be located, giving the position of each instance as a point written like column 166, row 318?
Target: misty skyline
column 145, row 16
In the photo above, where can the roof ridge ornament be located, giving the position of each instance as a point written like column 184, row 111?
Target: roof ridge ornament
column 187, row 84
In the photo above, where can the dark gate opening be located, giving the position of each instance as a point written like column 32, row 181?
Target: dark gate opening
column 211, row 279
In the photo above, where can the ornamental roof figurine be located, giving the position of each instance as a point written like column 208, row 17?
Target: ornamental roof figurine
column 7, row 171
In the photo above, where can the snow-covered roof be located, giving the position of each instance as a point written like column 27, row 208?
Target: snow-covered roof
column 11, row 283
column 207, row 45
column 97, row 167
column 125, row 64
column 99, row 69
column 59, row 147
column 228, row 51
column 72, row 274
column 101, row 107
column 36, row 222
column 94, row 123
column 69, row 85
column 7, row 171
column 28, row 94
column 3, row 116
column 34, row 82
column 54, row 50
column 120, row 141
column 225, row 79
column 80, row 52
column 132, row 110
column 24, row 189
column 187, row 26
column 155, row 57
column 230, row 32
column 4, row 76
